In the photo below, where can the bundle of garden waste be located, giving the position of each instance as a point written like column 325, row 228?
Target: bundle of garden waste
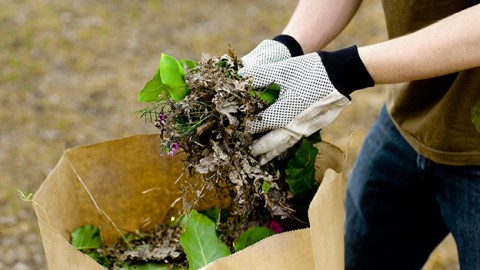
column 202, row 110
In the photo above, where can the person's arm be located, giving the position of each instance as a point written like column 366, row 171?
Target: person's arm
column 447, row 46
column 312, row 26
column 315, row 87
column 317, row 22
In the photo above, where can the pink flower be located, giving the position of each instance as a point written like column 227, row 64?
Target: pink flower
column 161, row 120
column 173, row 148
column 274, row 226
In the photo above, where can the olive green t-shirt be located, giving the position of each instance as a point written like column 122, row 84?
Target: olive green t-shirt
column 439, row 117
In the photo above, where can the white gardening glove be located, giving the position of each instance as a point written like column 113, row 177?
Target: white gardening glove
column 273, row 50
column 308, row 99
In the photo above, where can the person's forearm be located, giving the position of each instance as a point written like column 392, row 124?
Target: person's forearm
column 317, row 22
column 448, row 46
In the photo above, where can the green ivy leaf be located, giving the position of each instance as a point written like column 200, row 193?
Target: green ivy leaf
column 200, row 242
column 154, row 90
column 172, row 74
column 86, row 237
column 251, row 236
column 300, row 172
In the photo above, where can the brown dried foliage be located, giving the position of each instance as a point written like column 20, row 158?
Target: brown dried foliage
column 211, row 126
column 159, row 245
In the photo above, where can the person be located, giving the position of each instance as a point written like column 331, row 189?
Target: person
column 417, row 176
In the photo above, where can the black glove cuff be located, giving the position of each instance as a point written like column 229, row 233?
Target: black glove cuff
column 291, row 43
column 346, row 70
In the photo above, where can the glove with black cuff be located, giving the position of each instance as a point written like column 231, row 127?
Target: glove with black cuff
column 314, row 89
column 273, row 50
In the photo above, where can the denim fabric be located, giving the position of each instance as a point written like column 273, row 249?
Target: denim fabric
column 400, row 205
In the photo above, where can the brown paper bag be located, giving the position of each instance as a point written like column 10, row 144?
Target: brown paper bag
column 126, row 185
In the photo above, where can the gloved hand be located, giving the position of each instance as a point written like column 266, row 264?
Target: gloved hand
column 273, row 50
column 314, row 89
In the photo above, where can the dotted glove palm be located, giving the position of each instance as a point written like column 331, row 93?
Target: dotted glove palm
column 314, row 89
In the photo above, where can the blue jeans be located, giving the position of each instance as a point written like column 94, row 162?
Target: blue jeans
column 400, row 205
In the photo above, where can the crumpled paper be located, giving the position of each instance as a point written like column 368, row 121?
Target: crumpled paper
column 125, row 185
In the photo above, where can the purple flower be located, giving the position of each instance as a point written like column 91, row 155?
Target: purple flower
column 274, row 226
column 162, row 119
column 173, row 148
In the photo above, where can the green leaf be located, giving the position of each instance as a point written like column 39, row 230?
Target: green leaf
column 216, row 214
column 151, row 266
column 269, row 94
column 212, row 213
column 153, row 90
column 186, row 63
column 172, row 82
column 265, row 187
column 172, row 74
column 300, row 172
column 315, row 137
column 86, row 237
column 222, row 63
column 251, row 236
column 200, row 242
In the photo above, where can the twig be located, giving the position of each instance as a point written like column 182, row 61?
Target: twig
column 29, row 198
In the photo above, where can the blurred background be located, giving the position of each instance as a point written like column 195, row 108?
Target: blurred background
column 71, row 70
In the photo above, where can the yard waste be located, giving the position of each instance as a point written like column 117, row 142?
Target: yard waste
column 104, row 185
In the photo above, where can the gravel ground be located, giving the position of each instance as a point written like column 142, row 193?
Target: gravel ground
column 71, row 71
